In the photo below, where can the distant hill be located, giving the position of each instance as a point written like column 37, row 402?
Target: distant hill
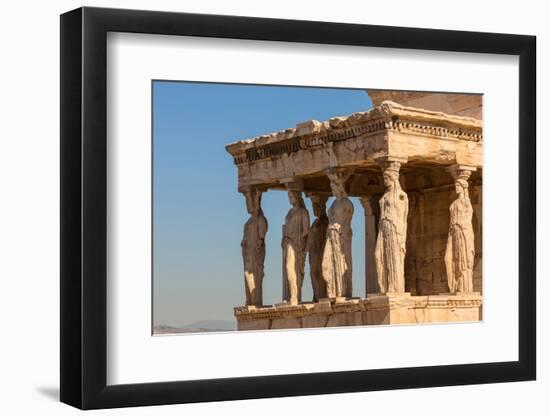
column 213, row 324
column 197, row 327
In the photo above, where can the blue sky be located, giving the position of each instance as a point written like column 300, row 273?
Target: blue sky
column 198, row 215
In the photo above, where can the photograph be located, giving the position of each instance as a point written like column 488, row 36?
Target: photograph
column 294, row 207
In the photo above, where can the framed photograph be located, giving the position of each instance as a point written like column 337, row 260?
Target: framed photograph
column 259, row 208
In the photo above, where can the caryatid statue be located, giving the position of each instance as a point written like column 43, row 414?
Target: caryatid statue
column 295, row 232
column 316, row 245
column 390, row 248
column 336, row 265
column 460, row 251
column 253, row 247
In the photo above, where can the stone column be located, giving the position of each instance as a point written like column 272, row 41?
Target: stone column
column 372, row 214
column 337, row 265
column 477, row 202
column 295, row 232
column 392, row 230
column 460, row 251
column 316, row 244
column 253, row 247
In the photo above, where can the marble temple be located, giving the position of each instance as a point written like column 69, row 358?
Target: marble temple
column 414, row 161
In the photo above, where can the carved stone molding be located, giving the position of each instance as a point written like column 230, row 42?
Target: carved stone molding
column 388, row 116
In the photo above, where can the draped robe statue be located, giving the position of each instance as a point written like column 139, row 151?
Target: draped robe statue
column 253, row 248
column 295, row 232
column 337, row 265
column 392, row 234
column 316, row 246
column 460, row 251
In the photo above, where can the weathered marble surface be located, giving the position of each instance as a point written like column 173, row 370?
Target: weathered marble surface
column 253, row 248
column 337, row 263
column 295, row 232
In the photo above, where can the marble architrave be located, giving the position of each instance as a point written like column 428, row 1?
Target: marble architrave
column 357, row 141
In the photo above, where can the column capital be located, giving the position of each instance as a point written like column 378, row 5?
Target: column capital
column 461, row 171
column 318, row 196
column 391, row 162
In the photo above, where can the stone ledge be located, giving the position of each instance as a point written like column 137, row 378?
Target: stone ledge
column 372, row 310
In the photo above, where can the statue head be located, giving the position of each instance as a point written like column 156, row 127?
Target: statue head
column 319, row 204
column 461, row 174
column 461, row 186
column 391, row 179
column 338, row 189
column 295, row 197
column 390, row 174
column 253, row 201
column 338, row 182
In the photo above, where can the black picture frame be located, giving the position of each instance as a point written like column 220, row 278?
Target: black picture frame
column 84, row 207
